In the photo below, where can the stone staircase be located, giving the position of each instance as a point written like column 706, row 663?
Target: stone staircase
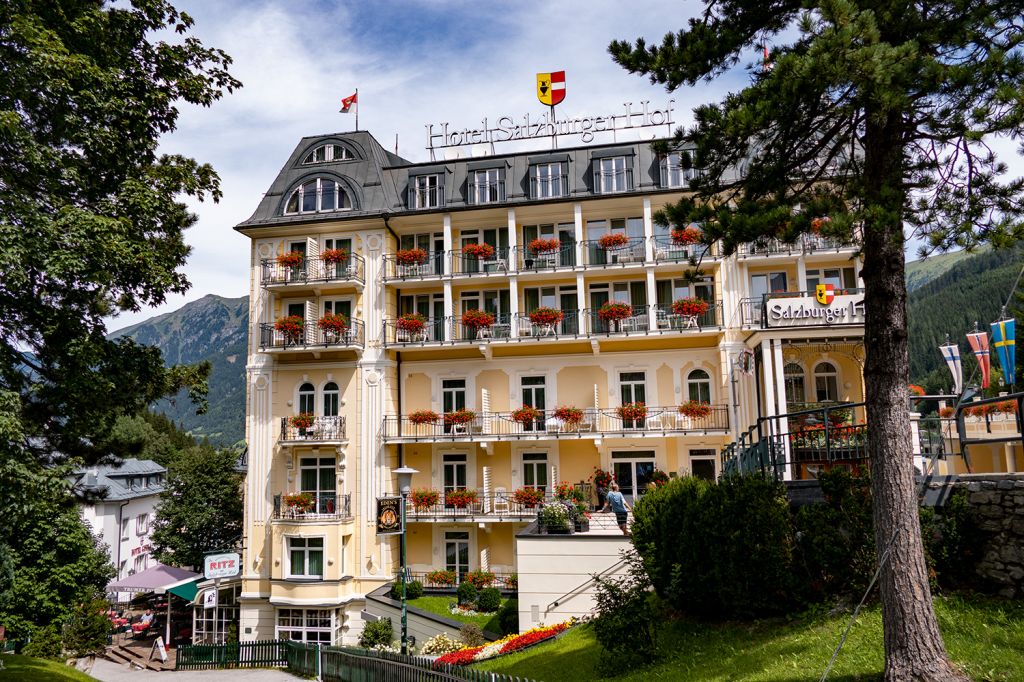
column 137, row 658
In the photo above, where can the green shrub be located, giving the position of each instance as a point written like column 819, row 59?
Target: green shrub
column 413, row 590
column 662, row 518
column 466, row 593
column 489, row 600
column 377, row 633
column 472, row 635
column 46, row 643
column 86, row 631
column 508, row 617
column 628, row 614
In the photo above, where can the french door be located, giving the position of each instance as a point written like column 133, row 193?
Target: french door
column 456, row 552
column 633, row 471
column 533, row 395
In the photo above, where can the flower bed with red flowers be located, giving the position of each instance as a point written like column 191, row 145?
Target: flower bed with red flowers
column 690, row 307
column 532, row 637
column 545, row 245
column 411, row 257
column 334, row 255
column 478, row 250
column 614, row 240
column 685, row 236
column 503, row 646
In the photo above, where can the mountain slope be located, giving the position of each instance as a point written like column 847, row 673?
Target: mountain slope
column 215, row 329
column 925, row 270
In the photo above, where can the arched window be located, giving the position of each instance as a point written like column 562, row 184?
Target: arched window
column 326, row 153
column 796, row 391
column 307, row 398
column 826, row 382
column 319, row 194
column 331, row 399
column 698, row 386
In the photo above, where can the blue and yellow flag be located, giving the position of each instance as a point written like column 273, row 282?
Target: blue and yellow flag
column 1004, row 345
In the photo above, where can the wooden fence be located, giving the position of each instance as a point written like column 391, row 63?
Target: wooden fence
column 235, row 655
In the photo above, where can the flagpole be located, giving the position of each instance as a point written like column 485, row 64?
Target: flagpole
column 554, row 130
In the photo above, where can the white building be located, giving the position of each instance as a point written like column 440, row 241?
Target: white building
column 120, row 508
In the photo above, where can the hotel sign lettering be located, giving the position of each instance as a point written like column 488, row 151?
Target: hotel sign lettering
column 807, row 311
column 509, row 129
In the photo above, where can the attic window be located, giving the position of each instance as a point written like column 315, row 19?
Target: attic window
column 320, row 194
column 327, row 153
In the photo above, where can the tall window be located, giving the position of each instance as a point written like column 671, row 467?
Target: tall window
column 124, row 528
column 549, row 181
column 141, row 524
column 535, row 470
column 633, row 389
column 796, row 393
column 426, row 191
column 326, row 153
column 305, row 625
column 534, row 396
column 307, row 398
column 455, row 471
column 331, row 399
column 453, row 394
column 671, row 170
column 320, row 194
column 698, row 386
column 456, row 552
column 486, row 186
column 305, row 558
column 702, row 463
column 141, row 562
column 826, row 382
column 317, row 477
column 612, row 175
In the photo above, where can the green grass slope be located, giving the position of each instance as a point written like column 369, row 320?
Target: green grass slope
column 924, row 270
column 25, row 669
column 985, row 637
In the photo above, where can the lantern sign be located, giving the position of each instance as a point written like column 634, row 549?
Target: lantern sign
column 389, row 515
column 223, row 565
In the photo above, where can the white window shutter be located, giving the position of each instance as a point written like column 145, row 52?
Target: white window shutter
column 311, row 319
column 312, row 258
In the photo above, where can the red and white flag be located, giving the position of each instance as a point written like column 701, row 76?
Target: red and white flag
column 979, row 344
column 348, row 102
column 767, row 64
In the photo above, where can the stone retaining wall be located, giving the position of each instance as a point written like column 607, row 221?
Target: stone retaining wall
column 997, row 503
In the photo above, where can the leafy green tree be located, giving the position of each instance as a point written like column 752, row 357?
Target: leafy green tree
column 201, row 507
column 879, row 115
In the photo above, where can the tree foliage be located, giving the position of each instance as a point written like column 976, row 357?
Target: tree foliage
column 880, row 115
column 201, row 507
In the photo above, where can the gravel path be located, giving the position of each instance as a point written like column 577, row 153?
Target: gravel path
column 107, row 671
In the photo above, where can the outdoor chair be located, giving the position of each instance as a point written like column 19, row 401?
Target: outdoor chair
column 501, row 504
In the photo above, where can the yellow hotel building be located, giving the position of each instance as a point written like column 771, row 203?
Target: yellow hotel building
column 348, row 228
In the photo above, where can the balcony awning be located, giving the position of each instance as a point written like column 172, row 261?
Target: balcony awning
column 156, row 579
column 186, row 589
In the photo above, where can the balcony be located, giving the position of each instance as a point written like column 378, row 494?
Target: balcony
column 464, row 265
column 568, row 327
column 488, row 505
column 499, row 330
column 632, row 252
column 805, row 244
column 506, row 582
column 596, row 423
column 667, row 251
column 314, row 271
column 323, row 430
column 326, row 507
column 311, row 338
column 549, row 187
column 652, row 320
column 431, row 265
column 528, row 260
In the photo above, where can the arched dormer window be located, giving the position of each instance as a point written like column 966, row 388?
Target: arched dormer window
column 307, row 399
column 327, row 153
column 698, row 386
column 826, row 382
column 318, row 195
column 331, row 399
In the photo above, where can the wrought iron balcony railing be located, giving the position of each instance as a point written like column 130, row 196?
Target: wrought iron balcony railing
column 497, row 503
column 485, row 192
column 667, row 251
column 322, row 429
column 549, row 187
column 312, row 336
column 434, row 330
column 313, row 270
column 326, row 506
column 465, row 264
column 528, row 260
column 633, row 252
column 432, row 266
column 568, row 327
column 500, row 329
column 655, row 319
column 594, row 423
column 806, row 243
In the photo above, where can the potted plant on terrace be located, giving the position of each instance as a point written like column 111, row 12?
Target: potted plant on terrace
column 291, row 259
column 686, row 236
column 334, row 256
column 946, row 412
column 302, row 421
column 554, row 518
column 478, row 251
column 411, row 257
column 634, row 413
column 292, row 327
column 613, row 312
column 441, row 578
column 424, row 417
column 412, row 323
column 424, row 498
column 613, row 240
column 527, row 414
column 690, row 307
column 528, row 497
column 460, row 498
column 568, row 492
column 541, row 245
column 334, row 327
column 695, row 409
column 300, row 503
column 477, row 320
column 462, row 416
column 602, row 480
column 569, row 415
column 546, row 316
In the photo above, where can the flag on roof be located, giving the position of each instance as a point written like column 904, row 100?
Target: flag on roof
column 348, row 102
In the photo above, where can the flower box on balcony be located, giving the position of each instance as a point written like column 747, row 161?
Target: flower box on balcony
column 424, row 417
column 686, row 236
column 459, row 417
column 303, row 420
column 528, row 497
column 915, row 390
column 477, row 319
column 695, row 409
column 300, row 502
column 334, row 256
column 634, row 412
column 442, row 578
column 413, row 323
column 947, row 412
column 526, row 415
column 614, row 312
column 613, row 240
column 480, row 579
column 460, row 498
column 548, row 316
column 570, row 416
column 292, row 259
column 553, row 518
column 334, row 325
column 425, row 498
column 411, row 257
column 818, row 223
column 690, row 307
column 567, row 492
column 480, row 251
column 545, row 245
column 291, row 326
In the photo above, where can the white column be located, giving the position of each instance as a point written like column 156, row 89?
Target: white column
column 801, row 274
column 652, row 299
column 769, row 378
column 648, row 231
column 513, row 238
column 780, row 390
column 577, row 216
column 581, row 302
column 858, row 263
column 447, row 236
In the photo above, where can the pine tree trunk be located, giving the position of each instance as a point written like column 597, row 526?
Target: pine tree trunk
column 913, row 644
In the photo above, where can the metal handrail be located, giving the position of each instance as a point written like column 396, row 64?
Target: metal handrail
column 433, row 266
column 526, row 260
column 561, row 182
column 327, row 506
column 633, row 252
column 495, row 192
column 464, row 264
column 568, row 327
column 312, row 270
column 313, row 336
column 667, row 251
column 323, row 429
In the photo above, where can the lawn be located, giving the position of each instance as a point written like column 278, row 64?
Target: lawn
column 984, row 636
column 39, row 670
column 439, row 605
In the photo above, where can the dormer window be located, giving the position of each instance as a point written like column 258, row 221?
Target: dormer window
column 326, row 153
column 321, row 194
column 677, row 169
column 612, row 174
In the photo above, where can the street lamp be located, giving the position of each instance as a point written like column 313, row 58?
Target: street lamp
column 405, row 475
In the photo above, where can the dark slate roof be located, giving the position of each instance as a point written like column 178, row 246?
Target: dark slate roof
column 378, row 180
column 111, row 481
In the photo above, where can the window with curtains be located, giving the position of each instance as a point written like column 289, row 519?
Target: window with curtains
column 305, row 558
column 793, row 378
column 535, row 470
